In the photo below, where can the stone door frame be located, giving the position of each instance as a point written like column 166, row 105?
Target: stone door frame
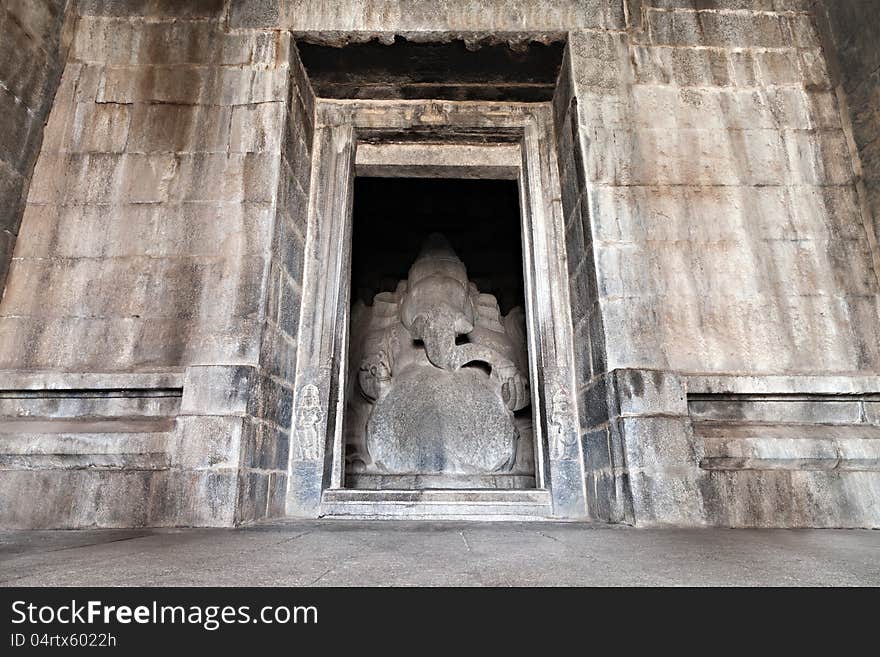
column 480, row 138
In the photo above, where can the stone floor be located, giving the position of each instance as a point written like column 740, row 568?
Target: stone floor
column 355, row 553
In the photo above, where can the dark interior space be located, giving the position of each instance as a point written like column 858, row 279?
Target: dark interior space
column 480, row 218
column 446, row 71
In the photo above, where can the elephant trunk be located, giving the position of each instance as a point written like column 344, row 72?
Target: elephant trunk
column 438, row 336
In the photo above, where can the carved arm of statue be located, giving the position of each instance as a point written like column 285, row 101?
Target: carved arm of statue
column 374, row 373
column 514, row 386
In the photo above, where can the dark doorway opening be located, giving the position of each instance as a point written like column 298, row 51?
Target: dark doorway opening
column 480, row 218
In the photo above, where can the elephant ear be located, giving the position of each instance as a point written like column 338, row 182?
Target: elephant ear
column 465, row 321
column 463, row 325
column 515, row 326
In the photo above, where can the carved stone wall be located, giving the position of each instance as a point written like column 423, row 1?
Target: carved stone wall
column 724, row 217
column 723, row 204
column 851, row 31
column 156, row 219
column 267, row 449
column 34, row 37
column 148, row 223
column 720, row 211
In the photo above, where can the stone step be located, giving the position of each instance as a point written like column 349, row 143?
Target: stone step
column 438, row 504
column 91, row 425
column 769, row 446
column 364, row 481
column 60, row 395
column 94, row 444
column 25, row 404
column 786, row 409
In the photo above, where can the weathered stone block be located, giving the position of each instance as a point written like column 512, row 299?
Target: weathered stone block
column 12, row 190
column 737, row 30
column 593, row 406
column 805, row 33
column 86, row 81
column 257, row 128
column 187, row 229
column 27, row 67
column 297, row 212
column 636, row 338
column 304, row 488
column 172, row 128
column 38, row 19
column 568, row 495
column 582, row 292
column 872, row 412
column 193, row 85
column 779, row 67
column 289, row 307
column 260, row 13
column 247, row 177
column 817, row 158
column 17, row 147
column 301, row 106
column 598, row 61
column 208, row 441
column 651, row 156
column 277, row 494
column 792, row 498
column 599, row 488
column 808, row 412
column 181, row 288
column 596, row 451
column 298, row 156
column 631, row 214
column 77, row 178
column 452, row 16
column 649, row 392
column 205, row 498
column 712, row 68
column 7, row 243
column 583, row 349
column 814, row 69
column 123, row 344
column 598, row 352
column 152, row 8
column 253, row 491
column 120, row 41
column 278, row 353
column 275, row 402
column 658, row 443
column 774, row 6
column 218, row 390
column 97, row 128
column 105, row 41
column 78, row 498
column 666, row 498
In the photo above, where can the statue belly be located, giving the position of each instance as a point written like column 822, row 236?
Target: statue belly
column 435, row 421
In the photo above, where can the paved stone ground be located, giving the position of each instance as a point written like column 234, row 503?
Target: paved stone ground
column 354, row 553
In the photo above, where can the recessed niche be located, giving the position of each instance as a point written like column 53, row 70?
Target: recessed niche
column 438, row 391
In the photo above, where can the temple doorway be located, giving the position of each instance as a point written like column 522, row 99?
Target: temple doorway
column 444, row 405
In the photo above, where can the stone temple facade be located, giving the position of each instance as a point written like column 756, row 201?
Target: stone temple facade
column 601, row 260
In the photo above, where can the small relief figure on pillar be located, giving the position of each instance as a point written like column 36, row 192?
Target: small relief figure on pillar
column 561, row 438
column 308, row 418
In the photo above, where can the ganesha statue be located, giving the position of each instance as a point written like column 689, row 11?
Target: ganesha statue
column 439, row 375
